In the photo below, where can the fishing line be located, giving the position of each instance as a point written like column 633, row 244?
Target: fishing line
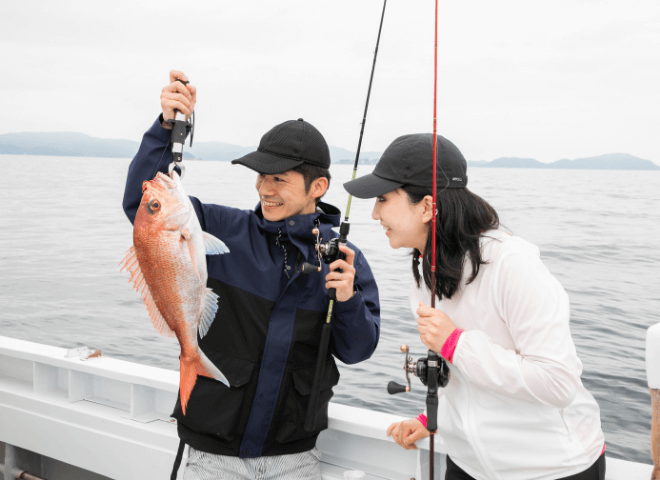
column 366, row 107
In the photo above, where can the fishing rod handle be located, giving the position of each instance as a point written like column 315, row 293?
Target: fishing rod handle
column 432, row 392
column 180, row 129
column 178, row 115
column 312, row 407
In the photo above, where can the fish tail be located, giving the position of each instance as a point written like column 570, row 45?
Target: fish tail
column 208, row 369
column 189, row 370
column 188, row 377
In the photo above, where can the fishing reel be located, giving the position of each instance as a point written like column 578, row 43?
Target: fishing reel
column 328, row 252
column 180, row 130
column 419, row 369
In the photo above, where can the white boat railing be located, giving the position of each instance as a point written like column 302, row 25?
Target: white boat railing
column 111, row 417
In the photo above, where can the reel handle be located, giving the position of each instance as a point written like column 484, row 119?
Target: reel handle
column 393, row 388
column 308, row 268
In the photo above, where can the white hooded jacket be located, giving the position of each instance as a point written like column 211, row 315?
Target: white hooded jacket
column 515, row 407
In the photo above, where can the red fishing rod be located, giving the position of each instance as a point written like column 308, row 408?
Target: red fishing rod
column 432, row 370
column 432, row 364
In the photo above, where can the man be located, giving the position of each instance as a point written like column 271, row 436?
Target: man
column 266, row 333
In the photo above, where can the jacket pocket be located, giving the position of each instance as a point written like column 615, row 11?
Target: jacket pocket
column 214, row 408
column 291, row 426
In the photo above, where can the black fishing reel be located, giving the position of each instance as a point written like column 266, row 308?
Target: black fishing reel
column 419, row 369
column 328, row 252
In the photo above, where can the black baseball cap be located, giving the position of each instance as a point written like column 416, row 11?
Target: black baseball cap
column 408, row 160
column 286, row 146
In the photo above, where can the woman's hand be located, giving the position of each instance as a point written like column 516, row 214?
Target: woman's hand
column 434, row 327
column 406, row 433
column 342, row 281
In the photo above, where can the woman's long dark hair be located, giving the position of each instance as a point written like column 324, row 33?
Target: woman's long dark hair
column 462, row 218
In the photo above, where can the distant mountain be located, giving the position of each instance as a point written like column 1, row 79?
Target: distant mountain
column 217, row 151
column 610, row 161
column 346, row 157
column 80, row 145
column 65, row 144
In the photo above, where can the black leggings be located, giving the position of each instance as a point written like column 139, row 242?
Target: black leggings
column 594, row 472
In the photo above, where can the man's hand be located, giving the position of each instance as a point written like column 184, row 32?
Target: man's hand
column 177, row 96
column 406, row 433
column 434, row 327
column 342, row 281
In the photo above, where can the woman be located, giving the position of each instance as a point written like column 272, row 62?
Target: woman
column 515, row 407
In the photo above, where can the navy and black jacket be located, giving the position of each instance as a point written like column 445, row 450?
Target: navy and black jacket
column 266, row 332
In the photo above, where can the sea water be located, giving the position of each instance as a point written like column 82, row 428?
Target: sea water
column 63, row 233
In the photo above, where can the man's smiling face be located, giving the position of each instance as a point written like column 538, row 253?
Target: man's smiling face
column 283, row 195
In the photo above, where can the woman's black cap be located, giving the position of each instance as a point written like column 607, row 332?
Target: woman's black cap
column 286, row 146
column 409, row 161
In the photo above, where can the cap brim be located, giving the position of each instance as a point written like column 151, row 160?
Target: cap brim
column 267, row 163
column 370, row 186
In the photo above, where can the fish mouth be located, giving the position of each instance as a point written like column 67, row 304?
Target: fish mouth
column 159, row 182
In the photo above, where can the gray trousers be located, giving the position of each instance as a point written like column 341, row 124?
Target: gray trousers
column 297, row 466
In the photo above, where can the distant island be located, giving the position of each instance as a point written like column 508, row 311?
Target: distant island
column 72, row 144
column 609, row 161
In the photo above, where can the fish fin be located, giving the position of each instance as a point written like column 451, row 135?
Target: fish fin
column 213, row 245
column 131, row 264
column 208, row 369
column 185, row 233
column 210, row 309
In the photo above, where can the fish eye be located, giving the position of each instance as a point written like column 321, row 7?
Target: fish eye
column 153, row 206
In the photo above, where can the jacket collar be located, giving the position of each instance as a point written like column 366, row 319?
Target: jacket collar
column 298, row 229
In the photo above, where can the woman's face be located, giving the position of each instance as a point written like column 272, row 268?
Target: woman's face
column 405, row 224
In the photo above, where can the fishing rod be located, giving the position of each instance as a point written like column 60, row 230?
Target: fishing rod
column 432, row 370
column 180, row 129
column 329, row 252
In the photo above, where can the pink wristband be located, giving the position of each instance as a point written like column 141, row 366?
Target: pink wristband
column 449, row 346
column 422, row 418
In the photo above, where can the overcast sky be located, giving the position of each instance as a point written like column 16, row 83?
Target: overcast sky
column 546, row 80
